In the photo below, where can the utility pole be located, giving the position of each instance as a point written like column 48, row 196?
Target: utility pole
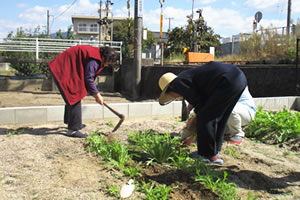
column 170, row 18
column 288, row 18
column 193, row 10
column 107, row 21
column 161, row 30
column 130, row 39
column 138, row 24
column 129, row 20
column 48, row 23
column 100, row 22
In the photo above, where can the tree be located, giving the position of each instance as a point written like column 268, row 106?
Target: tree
column 70, row 35
column 121, row 34
column 180, row 38
column 28, row 68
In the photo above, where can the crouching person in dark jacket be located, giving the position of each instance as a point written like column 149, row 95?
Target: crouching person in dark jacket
column 212, row 90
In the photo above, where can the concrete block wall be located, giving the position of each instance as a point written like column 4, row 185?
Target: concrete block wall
column 48, row 114
column 278, row 103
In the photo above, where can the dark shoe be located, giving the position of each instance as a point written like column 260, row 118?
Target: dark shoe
column 236, row 140
column 195, row 155
column 76, row 134
column 82, row 126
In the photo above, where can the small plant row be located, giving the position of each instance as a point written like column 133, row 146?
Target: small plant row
column 274, row 127
column 160, row 149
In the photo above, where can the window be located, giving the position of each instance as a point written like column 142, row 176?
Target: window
column 82, row 28
column 94, row 28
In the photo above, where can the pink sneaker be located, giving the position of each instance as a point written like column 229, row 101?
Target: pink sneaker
column 213, row 160
column 236, row 140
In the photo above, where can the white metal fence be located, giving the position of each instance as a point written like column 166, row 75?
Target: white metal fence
column 39, row 45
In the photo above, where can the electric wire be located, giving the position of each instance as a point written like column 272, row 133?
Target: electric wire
column 63, row 12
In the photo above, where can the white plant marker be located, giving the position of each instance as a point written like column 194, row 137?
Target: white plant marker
column 127, row 189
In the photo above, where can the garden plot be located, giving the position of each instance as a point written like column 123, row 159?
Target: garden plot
column 38, row 162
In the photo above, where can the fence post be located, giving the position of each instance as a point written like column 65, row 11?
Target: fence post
column 36, row 48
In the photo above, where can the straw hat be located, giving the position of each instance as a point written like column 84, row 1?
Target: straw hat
column 164, row 83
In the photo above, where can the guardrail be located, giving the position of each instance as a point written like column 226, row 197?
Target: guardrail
column 38, row 45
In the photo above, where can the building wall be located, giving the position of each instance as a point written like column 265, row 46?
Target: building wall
column 87, row 35
column 90, row 35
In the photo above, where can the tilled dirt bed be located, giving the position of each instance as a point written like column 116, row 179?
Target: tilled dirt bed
column 43, row 163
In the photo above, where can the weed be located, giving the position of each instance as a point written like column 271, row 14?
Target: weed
column 232, row 151
column 15, row 132
column 250, row 197
column 114, row 190
column 288, row 153
column 110, row 124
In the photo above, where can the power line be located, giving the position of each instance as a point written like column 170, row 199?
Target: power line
column 63, row 12
column 65, row 9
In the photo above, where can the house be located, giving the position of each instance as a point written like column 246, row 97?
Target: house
column 87, row 27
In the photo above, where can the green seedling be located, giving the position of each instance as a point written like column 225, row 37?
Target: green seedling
column 232, row 151
column 133, row 171
column 114, row 191
column 226, row 191
column 15, row 132
column 156, row 192
column 110, row 124
column 251, row 197
column 288, row 153
column 115, row 153
column 159, row 148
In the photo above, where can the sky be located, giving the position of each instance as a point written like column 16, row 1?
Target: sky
column 225, row 17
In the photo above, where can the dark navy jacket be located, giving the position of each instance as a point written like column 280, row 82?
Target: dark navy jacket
column 197, row 84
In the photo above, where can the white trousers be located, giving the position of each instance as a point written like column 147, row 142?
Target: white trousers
column 239, row 117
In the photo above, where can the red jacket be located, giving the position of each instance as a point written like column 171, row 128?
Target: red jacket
column 68, row 70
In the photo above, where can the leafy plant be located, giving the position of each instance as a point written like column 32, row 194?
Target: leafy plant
column 116, row 153
column 275, row 127
column 155, row 192
column 159, row 148
column 226, row 191
column 133, row 171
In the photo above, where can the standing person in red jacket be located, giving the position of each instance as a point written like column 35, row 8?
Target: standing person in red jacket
column 74, row 72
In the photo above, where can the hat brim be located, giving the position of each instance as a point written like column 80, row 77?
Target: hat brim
column 165, row 98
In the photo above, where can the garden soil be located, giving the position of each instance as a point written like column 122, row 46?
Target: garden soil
column 42, row 163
